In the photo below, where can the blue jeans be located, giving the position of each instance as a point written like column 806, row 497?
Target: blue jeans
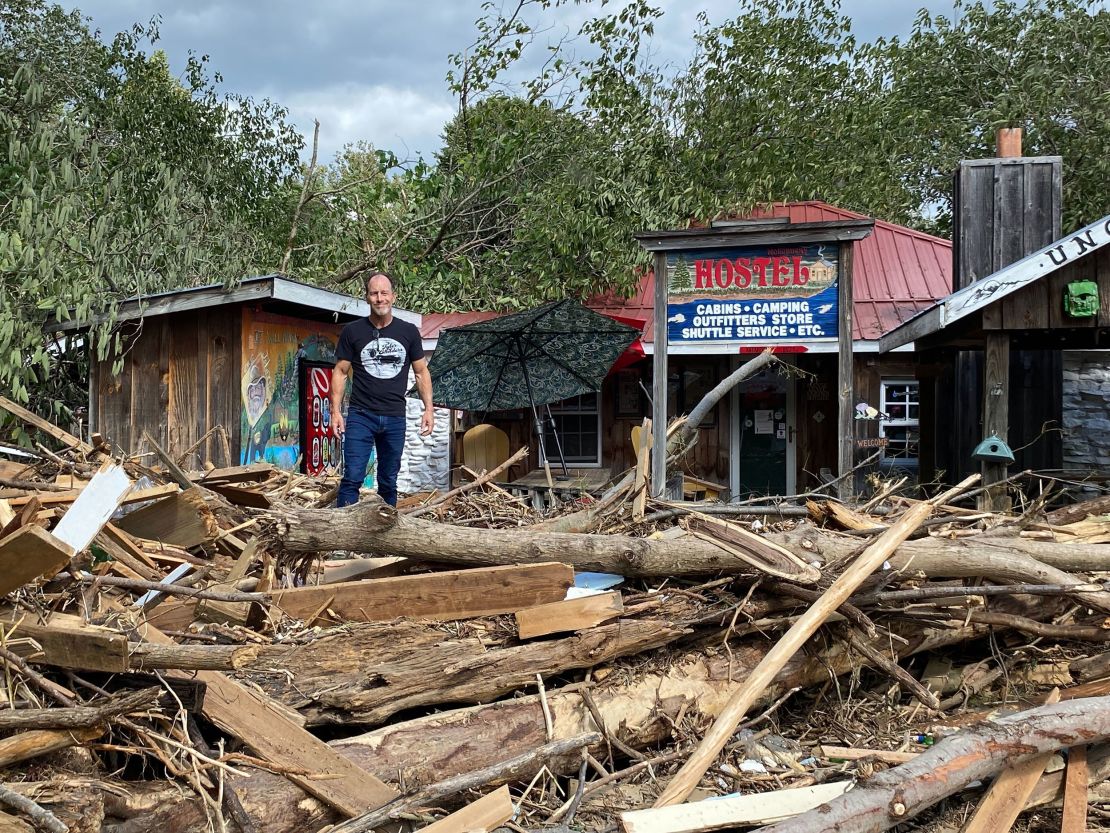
column 365, row 431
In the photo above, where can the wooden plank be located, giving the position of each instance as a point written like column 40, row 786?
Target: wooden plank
column 222, row 379
column 266, row 727
column 251, row 472
column 1006, row 796
column 659, row 379
column 643, row 462
column 361, row 568
column 184, row 411
column 128, row 543
column 93, row 507
column 996, row 414
column 845, row 378
column 732, row 810
column 568, row 615
column 28, row 553
column 237, row 612
column 67, row 642
column 182, row 519
column 242, row 497
column 487, row 813
column 172, row 614
column 456, row 594
column 1075, row 792
column 851, row 753
column 41, row 424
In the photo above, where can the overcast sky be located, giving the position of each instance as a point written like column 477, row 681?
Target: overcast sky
column 374, row 70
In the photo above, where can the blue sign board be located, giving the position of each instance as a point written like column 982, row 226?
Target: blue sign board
column 765, row 294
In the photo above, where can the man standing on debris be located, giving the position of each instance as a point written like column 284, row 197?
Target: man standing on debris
column 380, row 350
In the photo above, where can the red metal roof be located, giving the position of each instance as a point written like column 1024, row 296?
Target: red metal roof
column 896, row 273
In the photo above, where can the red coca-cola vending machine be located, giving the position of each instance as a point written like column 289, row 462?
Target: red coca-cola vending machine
column 321, row 449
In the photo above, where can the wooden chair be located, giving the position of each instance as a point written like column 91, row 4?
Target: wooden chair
column 485, row 447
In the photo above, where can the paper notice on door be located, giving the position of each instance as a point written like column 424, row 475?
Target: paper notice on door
column 764, row 421
column 780, row 432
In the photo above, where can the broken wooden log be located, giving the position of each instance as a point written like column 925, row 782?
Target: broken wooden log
column 1002, row 559
column 897, row 795
column 467, row 781
column 635, row 708
column 77, row 717
column 329, row 680
column 791, row 642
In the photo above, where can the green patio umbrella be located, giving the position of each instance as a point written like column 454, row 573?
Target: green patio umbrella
column 526, row 360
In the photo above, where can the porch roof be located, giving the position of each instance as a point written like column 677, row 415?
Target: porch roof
column 897, row 273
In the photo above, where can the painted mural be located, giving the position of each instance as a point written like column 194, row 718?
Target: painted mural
column 273, row 347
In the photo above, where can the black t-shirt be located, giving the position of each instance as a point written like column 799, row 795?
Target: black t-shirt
column 381, row 360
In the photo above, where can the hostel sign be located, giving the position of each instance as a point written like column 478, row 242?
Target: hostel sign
column 753, row 294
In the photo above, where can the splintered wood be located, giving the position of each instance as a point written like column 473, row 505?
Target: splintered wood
column 248, row 657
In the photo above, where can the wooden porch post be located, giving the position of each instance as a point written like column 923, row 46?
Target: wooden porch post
column 845, row 372
column 996, row 414
column 659, row 381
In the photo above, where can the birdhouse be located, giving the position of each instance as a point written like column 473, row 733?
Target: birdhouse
column 1081, row 299
column 993, row 450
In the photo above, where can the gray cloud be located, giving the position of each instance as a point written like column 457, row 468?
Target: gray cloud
column 375, row 71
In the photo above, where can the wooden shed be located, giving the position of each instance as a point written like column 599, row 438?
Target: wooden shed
column 225, row 374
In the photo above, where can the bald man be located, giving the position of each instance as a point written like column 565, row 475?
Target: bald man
column 379, row 350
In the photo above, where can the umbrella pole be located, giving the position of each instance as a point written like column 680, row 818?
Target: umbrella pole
column 535, row 417
column 558, row 442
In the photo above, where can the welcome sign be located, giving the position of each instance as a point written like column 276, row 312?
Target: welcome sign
column 775, row 294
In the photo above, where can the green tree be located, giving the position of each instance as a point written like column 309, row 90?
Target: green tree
column 119, row 180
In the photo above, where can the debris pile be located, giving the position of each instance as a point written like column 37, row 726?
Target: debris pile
column 219, row 650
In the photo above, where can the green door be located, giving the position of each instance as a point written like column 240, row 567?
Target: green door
column 765, row 432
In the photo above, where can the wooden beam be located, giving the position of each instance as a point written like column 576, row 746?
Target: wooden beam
column 1075, row 792
column 41, row 424
column 732, row 810
column 487, row 813
column 67, row 642
column 851, row 753
column 457, row 594
column 996, row 415
column 845, row 375
column 28, row 553
column 659, row 380
column 182, row 519
column 568, row 615
column 265, row 726
column 236, row 474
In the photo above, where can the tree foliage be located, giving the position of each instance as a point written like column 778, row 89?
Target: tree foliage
column 541, row 182
column 118, row 180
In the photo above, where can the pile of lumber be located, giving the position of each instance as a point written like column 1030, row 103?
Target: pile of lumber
column 222, row 650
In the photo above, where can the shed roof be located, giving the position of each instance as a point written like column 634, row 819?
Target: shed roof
column 261, row 288
column 993, row 288
column 897, row 272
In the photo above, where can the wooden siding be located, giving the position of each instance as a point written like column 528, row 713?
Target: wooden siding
column 179, row 378
column 1040, row 306
column 1003, row 210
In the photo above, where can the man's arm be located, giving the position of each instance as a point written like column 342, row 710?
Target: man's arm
column 339, row 375
column 424, row 388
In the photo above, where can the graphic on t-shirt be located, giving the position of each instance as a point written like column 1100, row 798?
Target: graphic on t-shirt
column 383, row 358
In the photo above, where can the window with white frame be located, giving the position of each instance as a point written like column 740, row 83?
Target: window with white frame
column 900, row 403
column 578, row 424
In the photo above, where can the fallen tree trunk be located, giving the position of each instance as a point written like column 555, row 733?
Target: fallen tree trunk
column 1003, row 559
column 896, row 795
column 331, row 681
column 638, row 711
column 360, row 529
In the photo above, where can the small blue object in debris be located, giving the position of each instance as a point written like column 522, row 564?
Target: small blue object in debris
column 596, row 581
